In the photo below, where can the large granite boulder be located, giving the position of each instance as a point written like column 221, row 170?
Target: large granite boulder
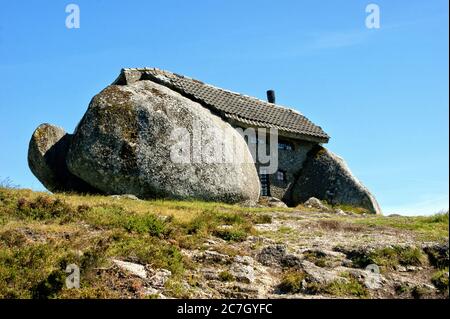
column 126, row 140
column 326, row 176
column 47, row 160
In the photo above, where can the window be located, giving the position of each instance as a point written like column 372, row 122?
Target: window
column 281, row 175
column 285, row 146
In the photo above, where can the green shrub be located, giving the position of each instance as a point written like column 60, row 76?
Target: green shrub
column 388, row 257
column 349, row 287
column 149, row 224
column 231, row 234
column 291, row 282
column 23, row 269
column 226, row 276
column 440, row 280
column 44, row 208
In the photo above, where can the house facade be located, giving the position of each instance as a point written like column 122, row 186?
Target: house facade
column 296, row 134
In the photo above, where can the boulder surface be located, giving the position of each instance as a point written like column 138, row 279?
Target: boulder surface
column 47, row 160
column 125, row 145
column 326, row 176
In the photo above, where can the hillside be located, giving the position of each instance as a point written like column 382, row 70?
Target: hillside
column 128, row 248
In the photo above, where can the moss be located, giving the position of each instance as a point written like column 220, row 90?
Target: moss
column 388, row 257
column 317, row 257
column 292, row 282
column 440, row 280
column 345, row 288
column 233, row 234
column 226, row 276
column 430, row 228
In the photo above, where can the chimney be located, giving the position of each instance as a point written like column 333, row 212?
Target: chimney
column 271, row 96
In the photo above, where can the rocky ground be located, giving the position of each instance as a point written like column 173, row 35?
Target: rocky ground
column 127, row 248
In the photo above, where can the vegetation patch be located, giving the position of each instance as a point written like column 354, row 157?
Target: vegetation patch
column 388, row 257
column 317, row 257
column 292, row 282
column 226, row 276
column 345, row 286
column 440, row 280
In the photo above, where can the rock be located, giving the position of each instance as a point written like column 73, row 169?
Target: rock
column 128, row 142
column 243, row 273
column 317, row 204
column 326, row 176
column 291, row 261
column 155, row 293
column 275, row 202
column 438, row 254
column 159, row 278
column 272, row 255
column 245, row 260
column 320, row 275
column 401, row 268
column 132, row 268
column 212, row 256
column 47, row 152
column 124, row 196
column 276, row 255
column 210, row 274
column 340, row 212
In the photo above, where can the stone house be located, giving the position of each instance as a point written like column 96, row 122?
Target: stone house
column 296, row 134
column 123, row 145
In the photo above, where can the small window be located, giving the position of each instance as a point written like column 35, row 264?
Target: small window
column 281, row 176
column 285, row 146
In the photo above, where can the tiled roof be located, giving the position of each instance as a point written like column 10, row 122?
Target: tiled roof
column 230, row 105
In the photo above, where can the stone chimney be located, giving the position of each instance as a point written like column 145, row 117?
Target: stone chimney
column 271, row 96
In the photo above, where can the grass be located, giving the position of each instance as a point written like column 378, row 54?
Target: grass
column 317, row 257
column 41, row 233
column 429, row 228
column 388, row 257
column 345, row 288
column 226, row 276
column 440, row 280
column 292, row 282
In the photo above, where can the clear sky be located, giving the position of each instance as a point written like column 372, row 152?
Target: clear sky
column 381, row 94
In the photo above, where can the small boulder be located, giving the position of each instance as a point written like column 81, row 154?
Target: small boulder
column 47, row 152
column 326, row 176
column 243, row 273
column 159, row 277
column 316, row 204
column 132, row 268
column 275, row 202
column 272, row 255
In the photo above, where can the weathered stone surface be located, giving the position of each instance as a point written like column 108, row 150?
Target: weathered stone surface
column 123, row 145
column 275, row 202
column 132, row 268
column 317, row 204
column 47, row 160
column 159, row 277
column 271, row 255
column 326, row 176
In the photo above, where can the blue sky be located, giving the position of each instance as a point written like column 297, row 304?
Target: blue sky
column 381, row 94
